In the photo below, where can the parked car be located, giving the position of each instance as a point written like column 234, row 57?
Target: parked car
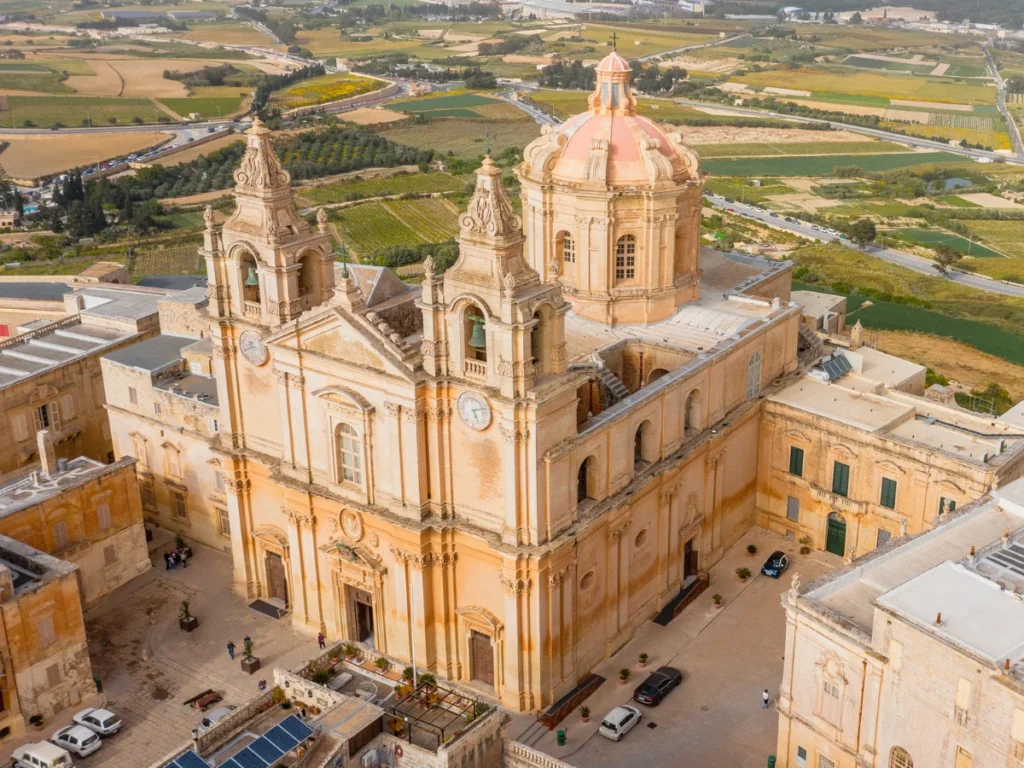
column 213, row 718
column 101, row 721
column 619, row 722
column 657, row 686
column 41, row 755
column 776, row 563
column 77, row 739
column 774, row 215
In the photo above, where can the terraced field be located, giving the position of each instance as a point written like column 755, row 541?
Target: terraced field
column 44, row 111
column 1007, row 236
column 821, row 165
column 800, row 148
column 412, row 183
column 932, row 237
column 377, row 225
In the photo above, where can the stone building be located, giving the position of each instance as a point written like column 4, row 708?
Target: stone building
column 913, row 655
column 854, row 454
column 474, row 472
column 50, row 374
column 43, row 650
column 82, row 511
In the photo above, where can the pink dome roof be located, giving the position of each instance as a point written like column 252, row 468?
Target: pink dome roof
column 613, row 62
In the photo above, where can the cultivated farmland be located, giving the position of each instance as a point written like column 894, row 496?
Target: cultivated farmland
column 34, row 156
column 377, row 225
column 321, row 90
column 822, row 165
column 357, row 189
column 933, row 237
column 76, row 110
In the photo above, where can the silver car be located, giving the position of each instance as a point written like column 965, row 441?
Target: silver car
column 77, row 739
column 101, row 721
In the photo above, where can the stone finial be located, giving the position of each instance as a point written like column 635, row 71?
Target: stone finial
column 209, row 216
column 47, row 454
column 857, row 336
column 489, row 211
column 428, row 267
column 321, row 220
column 260, row 169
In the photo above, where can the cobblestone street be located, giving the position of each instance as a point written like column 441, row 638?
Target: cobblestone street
column 149, row 667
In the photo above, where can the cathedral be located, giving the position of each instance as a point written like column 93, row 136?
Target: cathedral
column 501, row 472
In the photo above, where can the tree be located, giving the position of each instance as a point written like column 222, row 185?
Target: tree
column 862, row 231
column 856, row 18
column 945, row 257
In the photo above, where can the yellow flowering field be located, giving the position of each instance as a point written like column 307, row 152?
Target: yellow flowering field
column 321, row 90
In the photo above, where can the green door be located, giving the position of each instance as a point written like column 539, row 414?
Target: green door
column 835, row 539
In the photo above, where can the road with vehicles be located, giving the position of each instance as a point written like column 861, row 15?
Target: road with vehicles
column 993, row 70
column 683, row 49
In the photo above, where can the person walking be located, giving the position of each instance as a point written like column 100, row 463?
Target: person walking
column 167, row 561
column 231, row 649
column 765, row 698
column 184, row 559
column 320, row 641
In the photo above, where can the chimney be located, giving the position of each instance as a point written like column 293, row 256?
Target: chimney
column 938, row 620
column 6, row 584
column 47, row 456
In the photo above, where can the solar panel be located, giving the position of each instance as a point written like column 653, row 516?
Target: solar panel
column 280, row 738
column 189, row 760
column 836, row 367
column 298, row 729
column 247, row 758
column 266, row 750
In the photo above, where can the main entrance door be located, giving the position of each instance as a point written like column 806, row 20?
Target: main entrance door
column 482, row 658
column 835, row 538
column 362, row 604
column 690, row 558
column 277, row 585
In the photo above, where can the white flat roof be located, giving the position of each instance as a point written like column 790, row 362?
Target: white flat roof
column 858, row 409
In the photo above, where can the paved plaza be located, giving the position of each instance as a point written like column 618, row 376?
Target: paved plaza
column 148, row 666
column 727, row 657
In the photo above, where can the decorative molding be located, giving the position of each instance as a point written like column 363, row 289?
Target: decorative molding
column 300, row 519
column 514, row 435
column 618, row 533
column 516, row 587
column 489, row 211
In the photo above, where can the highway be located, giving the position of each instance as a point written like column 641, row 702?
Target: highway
column 993, row 70
column 683, row 49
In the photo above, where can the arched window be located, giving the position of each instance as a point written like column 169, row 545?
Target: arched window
column 474, row 332
column 566, row 248
column 754, row 375
column 640, row 446
column 691, row 413
column 625, row 258
column 309, row 280
column 250, row 278
column 539, row 341
column 350, row 455
column 900, row 758
column 656, row 374
column 581, row 480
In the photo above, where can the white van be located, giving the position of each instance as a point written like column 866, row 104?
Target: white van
column 41, row 755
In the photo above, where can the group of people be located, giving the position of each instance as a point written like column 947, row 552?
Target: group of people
column 175, row 558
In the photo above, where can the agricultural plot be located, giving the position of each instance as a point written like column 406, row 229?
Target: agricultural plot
column 227, row 34
column 371, row 227
column 44, row 111
column 861, row 62
column 458, row 105
column 41, row 155
column 800, row 148
column 321, row 90
column 358, row 189
column 821, row 165
column 933, row 237
column 1007, row 236
column 463, row 138
column 207, row 106
column 432, row 219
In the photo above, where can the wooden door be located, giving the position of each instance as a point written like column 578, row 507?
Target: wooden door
column 483, row 658
column 277, row 585
column 690, row 559
column 835, row 539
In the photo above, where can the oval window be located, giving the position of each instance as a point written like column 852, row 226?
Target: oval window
column 587, row 581
column 641, row 539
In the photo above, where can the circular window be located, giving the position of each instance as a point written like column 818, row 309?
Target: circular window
column 641, row 539
column 587, row 581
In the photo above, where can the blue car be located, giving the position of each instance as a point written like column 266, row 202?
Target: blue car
column 776, row 563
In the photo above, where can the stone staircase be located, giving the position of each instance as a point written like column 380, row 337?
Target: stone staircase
column 610, row 383
column 809, row 344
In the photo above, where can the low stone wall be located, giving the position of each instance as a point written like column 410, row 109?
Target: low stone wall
column 300, row 689
column 226, row 729
column 518, row 755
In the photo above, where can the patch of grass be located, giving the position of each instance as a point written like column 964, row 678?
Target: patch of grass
column 902, row 67
column 72, row 110
column 957, row 202
column 1007, row 236
column 821, row 165
column 377, row 225
column 460, row 100
column 993, row 139
column 324, row 89
column 357, row 189
column 463, row 138
column 45, row 82
column 207, row 107
column 932, row 237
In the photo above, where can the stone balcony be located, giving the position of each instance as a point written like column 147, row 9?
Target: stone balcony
column 836, row 501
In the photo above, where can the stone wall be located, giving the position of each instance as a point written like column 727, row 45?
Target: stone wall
column 518, row 755
column 305, row 691
column 241, row 718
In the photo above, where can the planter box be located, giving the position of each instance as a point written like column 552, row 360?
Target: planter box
column 188, row 624
column 249, row 666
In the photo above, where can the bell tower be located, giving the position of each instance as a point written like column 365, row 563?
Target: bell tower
column 266, row 266
column 489, row 319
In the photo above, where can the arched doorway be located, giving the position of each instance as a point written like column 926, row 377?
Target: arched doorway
column 583, row 480
column 835, row 534
column 656, row 374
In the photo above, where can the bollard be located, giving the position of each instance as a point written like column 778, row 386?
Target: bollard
column 771, row 761
column 560, row 737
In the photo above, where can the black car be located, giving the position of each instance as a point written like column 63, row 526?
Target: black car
column 776, row 563
column 657, row 685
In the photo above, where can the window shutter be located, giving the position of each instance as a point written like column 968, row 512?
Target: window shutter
column 19, row 425
column 53, row 675
column 109, row 554
column 67, row 407
column 45, row 629
column 37, row 418
column 793, row 509
column 60, row 534
column 54, row 417
column 103, row 514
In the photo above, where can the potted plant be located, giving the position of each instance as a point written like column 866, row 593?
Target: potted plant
column 585, row 714
column 397, row 725
column 805, row 545
column 382, row 664
column 403, row 691
column 624, row 674
column 36, row 721
column 743, row 573
column 751, row 549
column 717, row 599
column 180, row 543
column 350, row 650
column 407, row 674
column 250, row 663
column 643, row 660
column 186, row 620
column 428, row 679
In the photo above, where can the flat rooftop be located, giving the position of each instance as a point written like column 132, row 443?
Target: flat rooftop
column 52, row 345
column 41, row 291
column 152, row 355
column 25, row 488
column 120, row 304
column 816, row 304
column 191, row 387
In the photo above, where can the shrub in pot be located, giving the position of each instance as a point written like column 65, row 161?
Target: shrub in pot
column 717, row 598
column 643, row 659
column 382, row 664
column 624, row 674
column 743, row 573
column 186, row 620
column 752, row 549
column 250, row 663
column 585, row 714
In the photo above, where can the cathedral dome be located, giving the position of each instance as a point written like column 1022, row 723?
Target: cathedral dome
column 610, row 143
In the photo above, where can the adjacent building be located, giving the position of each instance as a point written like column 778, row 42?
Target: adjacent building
column 912, row 656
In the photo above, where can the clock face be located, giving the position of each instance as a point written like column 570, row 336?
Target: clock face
column 252, row 347
column 474, row 410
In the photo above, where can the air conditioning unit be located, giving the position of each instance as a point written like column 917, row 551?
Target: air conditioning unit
column 370, row 759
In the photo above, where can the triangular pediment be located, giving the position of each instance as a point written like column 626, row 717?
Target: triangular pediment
column 338, row 335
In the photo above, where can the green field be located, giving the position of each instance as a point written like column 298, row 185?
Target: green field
column 44, row 82
column 932, row 237
column 410, row 183
column 889, row 66
column 206, row 106
column 1007, row 236
column 457, row 105
column 463, row 138
column 798, row 148
column 371, row 227
column 820, row 165
column 72, row 110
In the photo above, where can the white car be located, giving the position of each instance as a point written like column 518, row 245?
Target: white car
column 101, row 721
column 77, row 739
column 619, row 722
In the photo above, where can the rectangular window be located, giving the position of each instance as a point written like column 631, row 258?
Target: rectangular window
column 219, row 482
column 824, row 762
column 793, row 509
column 47, row 417
column 109, row 555
column 225, row 522
column 44, row 628
column 156, row 408
column 214, row 427
column 796, row 461
column 178, row 505
column 882, row 537
column 841, row 478
column 888, row 498
column 103, row 516
column 60, row 535
column 133, row 396
column 195, row 368
column 148, row 498
column 53, row 676
column 801, row 757
column 946, row 505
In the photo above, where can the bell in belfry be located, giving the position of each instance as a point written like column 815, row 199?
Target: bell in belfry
column 477, row 339
column 251, row 280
